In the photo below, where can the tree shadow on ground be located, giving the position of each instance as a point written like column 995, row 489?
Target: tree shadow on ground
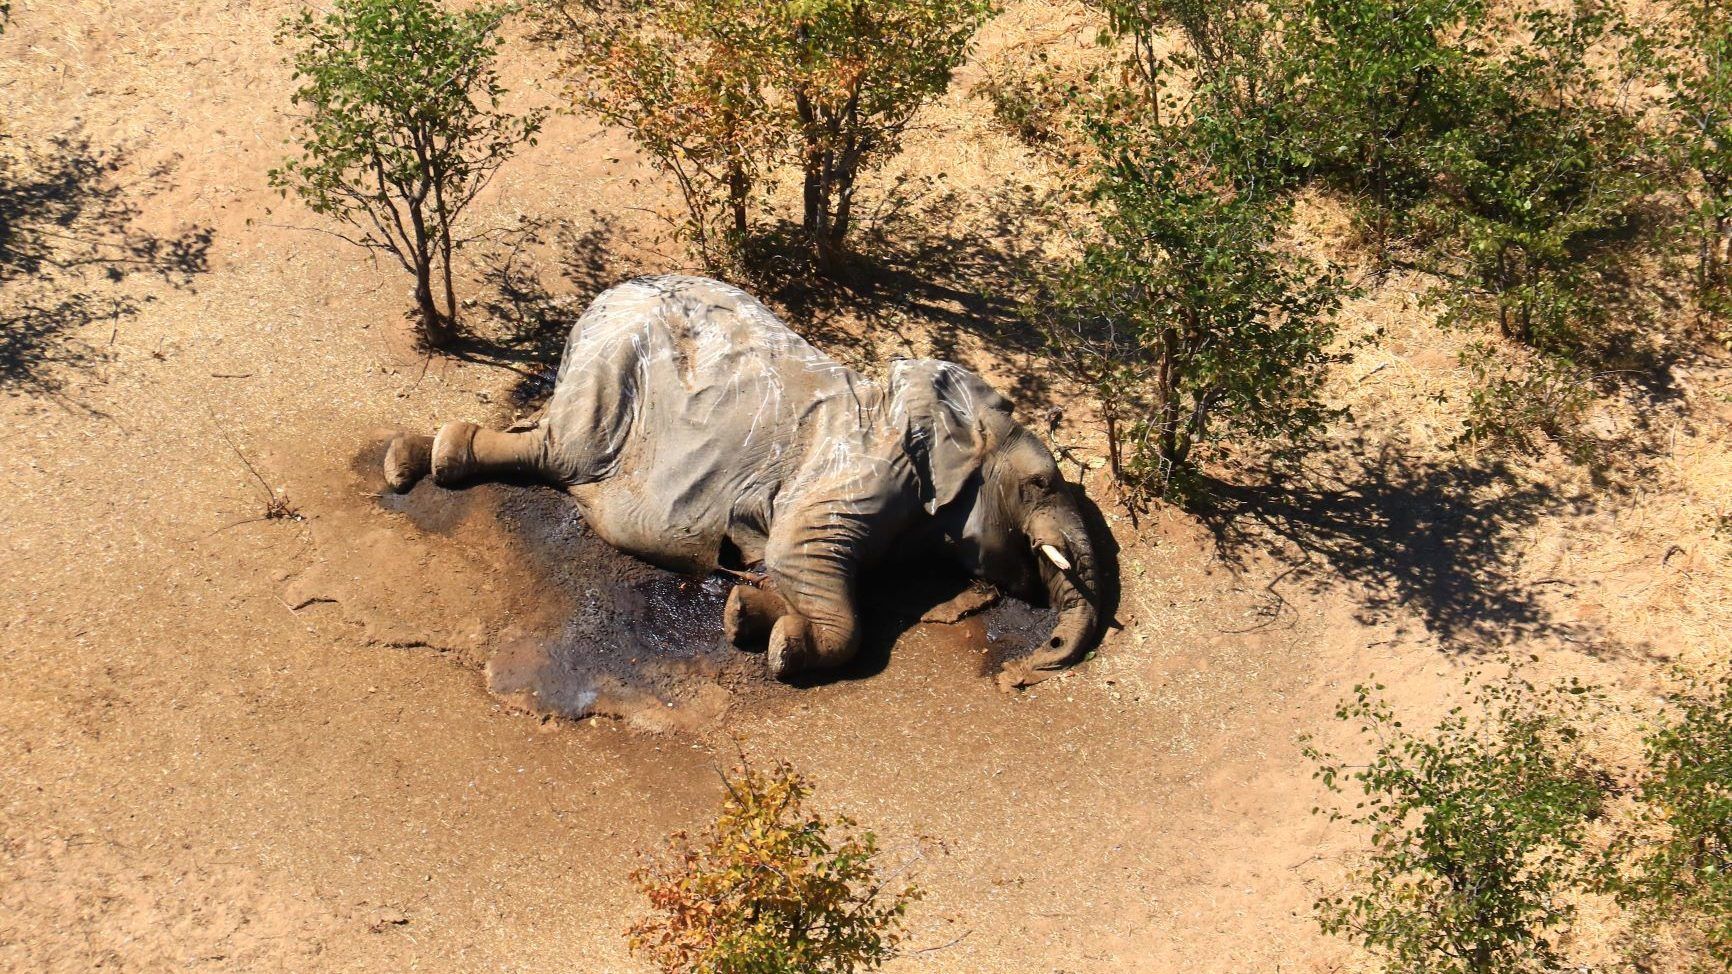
column 68, row 237
column 530, row 322
column 1439, row 539
column 928, row 271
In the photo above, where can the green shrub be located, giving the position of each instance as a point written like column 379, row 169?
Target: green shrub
column 401, row 131
column 1230, row 79
column 1536, row 190
column 1690, row 53
column 1477, row 831
column 1381, row 83
column 1516, row 403
column 1185, row 320
column 726, row 93
column 1185, row 317
column 1027, row 101
column 1680, row 853
column 771, row 887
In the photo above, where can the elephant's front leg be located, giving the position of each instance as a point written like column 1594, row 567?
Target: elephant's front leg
column 751, row 614
column 813, row 565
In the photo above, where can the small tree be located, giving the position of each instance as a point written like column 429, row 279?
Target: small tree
column 1222, row 69
column 724, row 94
column 771, row 886
column 1380, row 84
column 1681, row 849
column 859, row 71
column 402, row 130
column 1476, row 831
column 1186, row 317
column 687, row 79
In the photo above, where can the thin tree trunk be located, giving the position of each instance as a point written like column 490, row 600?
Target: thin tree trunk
column 739, row 188
column 433, row 327
column 811, row 161
column 1168, row 390
column 445, row 269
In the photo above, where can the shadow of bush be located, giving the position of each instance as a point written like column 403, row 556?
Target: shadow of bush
column 1442, row 540
column 68, row 236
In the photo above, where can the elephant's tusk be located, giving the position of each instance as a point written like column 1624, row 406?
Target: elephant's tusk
column 1056, row 556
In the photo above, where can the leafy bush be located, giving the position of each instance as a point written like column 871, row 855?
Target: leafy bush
column 1477, row 831
column 1380, row 85
column 1515, row 404
column 1230, row 81
column 1536, row 189
column 1186, row 319
column 402, row 129
column 1682, row 847
column 1027, row 101
column 725, row 93
column 771, row 887
column 1184, row 316
column 1690, row 53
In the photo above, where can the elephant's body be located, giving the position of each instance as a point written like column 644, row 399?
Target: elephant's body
column 697, row 431
column 687, row 418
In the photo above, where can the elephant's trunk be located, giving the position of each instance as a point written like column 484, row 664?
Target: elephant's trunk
column 1066, row 558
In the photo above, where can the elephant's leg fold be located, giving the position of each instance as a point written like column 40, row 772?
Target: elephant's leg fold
column 750, row 614
column 464, row 453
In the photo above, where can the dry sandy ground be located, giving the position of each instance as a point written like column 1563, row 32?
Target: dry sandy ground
column 266, row 745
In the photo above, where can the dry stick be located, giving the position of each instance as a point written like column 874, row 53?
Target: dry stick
column 947, row 946
column 271, row 500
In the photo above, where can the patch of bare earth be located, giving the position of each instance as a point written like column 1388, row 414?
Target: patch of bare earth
column 233, row 742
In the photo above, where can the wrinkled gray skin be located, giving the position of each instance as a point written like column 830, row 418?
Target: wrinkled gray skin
column 696, row 431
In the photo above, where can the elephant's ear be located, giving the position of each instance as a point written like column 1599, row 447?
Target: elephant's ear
column 954, row 420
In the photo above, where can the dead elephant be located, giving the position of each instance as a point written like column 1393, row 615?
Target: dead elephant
column 696, row 431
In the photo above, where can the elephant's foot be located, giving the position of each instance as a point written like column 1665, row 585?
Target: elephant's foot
column 407, row 460
column 750, row 614
column 453, row 460
column 790, row 649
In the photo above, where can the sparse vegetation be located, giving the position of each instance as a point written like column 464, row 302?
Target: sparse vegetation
column 1676, row 864
column 727, row 95
column 1185, row 316
column 771, row 886
column 1519, row 402
column 1689, row 52
column 1477, row 830
column 402, row 128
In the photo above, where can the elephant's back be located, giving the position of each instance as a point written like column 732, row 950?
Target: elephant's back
column 686, row 404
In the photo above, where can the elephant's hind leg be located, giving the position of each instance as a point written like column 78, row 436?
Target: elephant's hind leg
column 466, row 453
column 407, row 460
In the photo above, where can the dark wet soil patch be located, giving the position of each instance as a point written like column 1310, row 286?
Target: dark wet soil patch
column 605, row 633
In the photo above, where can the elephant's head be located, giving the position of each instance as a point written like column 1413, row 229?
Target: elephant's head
column 1000, row 499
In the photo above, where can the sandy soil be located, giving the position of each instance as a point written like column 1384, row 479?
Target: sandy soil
column 234, row 743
